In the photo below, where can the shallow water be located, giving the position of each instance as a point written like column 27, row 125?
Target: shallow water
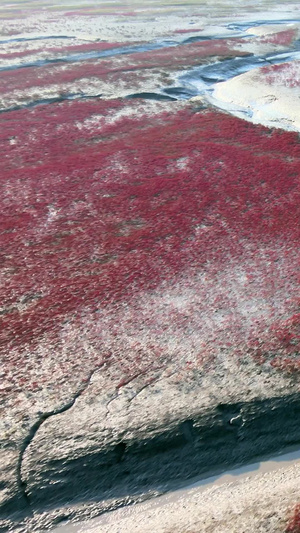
column 201, row 80
column 238, row 31
column 95, row 54
column 40, row 38
column 242, row 26
column 54, row 100
column 197, row 81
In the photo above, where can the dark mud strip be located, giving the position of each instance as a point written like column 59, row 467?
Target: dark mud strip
column 82, row 96
column 75, row 58
column 122, row 50
column 224, row 70
column 55, row 100
column 238, row 27
column 166, row 456
column 199, row 38
column 288, row 457
column 150, row 96
column 22, row 39
column 243, row 26
column 283, row 57
column 182, row 93
column 195, row 38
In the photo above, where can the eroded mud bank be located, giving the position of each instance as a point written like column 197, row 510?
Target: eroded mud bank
column 134, row 464
column 159, row 458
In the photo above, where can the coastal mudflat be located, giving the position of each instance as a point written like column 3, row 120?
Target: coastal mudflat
column 150, row 257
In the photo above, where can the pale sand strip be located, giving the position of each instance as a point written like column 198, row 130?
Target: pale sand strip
column 251, row 96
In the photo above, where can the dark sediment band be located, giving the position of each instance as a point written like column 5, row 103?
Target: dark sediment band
column 166, row 455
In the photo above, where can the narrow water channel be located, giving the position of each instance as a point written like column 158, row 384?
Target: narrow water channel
column 198, row 81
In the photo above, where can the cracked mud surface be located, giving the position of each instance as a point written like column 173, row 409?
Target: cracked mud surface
column 150, row 255
column 21, row 481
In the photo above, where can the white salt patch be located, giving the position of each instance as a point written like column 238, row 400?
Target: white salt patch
column 250, row 96
column 270, row 29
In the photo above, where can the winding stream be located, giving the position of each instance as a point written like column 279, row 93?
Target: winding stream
column 196, row 81
column 95, row 54
column 199, row 81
